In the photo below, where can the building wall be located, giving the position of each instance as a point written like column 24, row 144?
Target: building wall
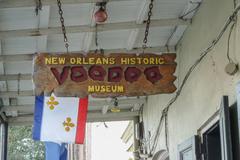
column 82, row 152
column 200, row 98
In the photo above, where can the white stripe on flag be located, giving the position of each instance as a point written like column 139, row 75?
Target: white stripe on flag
column 53, row 119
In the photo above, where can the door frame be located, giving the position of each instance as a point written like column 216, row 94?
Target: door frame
column 205, row 127
column 208, row 124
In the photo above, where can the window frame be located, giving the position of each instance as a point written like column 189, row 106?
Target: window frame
column 190, row 144
column 3, row 139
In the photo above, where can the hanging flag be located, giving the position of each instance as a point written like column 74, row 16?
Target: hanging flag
column 60, row 119
column 55, row 151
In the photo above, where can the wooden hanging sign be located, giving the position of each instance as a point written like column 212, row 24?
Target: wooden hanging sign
column 115, row 74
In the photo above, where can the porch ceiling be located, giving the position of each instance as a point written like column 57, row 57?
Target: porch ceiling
column 123, row 31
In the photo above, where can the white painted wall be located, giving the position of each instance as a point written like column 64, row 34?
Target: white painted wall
column 201, row 95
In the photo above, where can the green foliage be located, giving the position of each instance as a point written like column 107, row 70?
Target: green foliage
column 21, row 146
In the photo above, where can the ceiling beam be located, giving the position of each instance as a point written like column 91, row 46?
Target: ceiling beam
column 30, row 108
column 29, row 57
column 123, row 115
column 140, row 19
column 87, row 28
column 3, row 85
column 92, row 103
column 19, row 108
column 43, row 22
column 17, row 57
column 132, row 39
column 87, row 42
column 31, row 3
column 88, row 37
column 16, row 93
column 105, row 109
column 91, row 117
column 12, row 77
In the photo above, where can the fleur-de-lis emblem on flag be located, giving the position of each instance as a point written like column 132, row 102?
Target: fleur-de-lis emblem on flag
column 68, row 124
column 52, row 103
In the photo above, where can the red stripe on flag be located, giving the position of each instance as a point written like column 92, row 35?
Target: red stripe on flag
column 82, row 117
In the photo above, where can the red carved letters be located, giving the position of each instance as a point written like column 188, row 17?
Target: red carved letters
column 78, row 74
column 132, row 74
column 98, row 73
column 61, row 77
column 152, row 74
column 115, row 74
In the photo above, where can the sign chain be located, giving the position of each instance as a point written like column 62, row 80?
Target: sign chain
column 96, row 38
column 60, row 11
column 96, row 41
column 148, row 22
column 38, row 6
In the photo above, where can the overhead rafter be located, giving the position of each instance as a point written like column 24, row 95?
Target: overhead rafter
column 15, row 77
column 92, row 117
column 105, row 109
column 99, row 117
column 92, row 103
column 17, row 57
column 87, row 28
column 87, row 42
column 29, row 57
column 20, row 108
column 16, row 93
column 88, row 37
column 3, row 70
column 43, row 22
column 30, row 108
column 32, row 3
column 140, row 19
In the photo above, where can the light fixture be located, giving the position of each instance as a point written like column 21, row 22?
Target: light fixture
column 101, row 15
column 162, row 154
column 115, row 109
column 231, row 68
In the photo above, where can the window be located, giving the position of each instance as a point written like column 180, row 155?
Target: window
column 188, row 150
column 2, row 141
column 3, row 136
column 212, row 143
column 218, row 137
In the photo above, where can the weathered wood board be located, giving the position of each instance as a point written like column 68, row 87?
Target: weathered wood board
column 111, row 75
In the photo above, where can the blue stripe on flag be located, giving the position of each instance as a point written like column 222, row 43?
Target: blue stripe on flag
column 55, row 151
column 38, row 111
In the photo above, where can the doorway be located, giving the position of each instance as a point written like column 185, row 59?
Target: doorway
column 212, row 143
column 112, row 140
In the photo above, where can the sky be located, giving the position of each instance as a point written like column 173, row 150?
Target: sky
column 107, row 143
